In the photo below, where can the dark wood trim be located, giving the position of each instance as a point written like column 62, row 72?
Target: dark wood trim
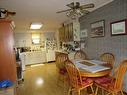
column 118, row 22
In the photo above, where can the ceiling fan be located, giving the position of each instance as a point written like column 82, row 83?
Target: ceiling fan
column 5, row 13
column 75, row 9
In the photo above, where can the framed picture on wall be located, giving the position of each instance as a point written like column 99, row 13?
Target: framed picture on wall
column 119, row 27
column 98, row 29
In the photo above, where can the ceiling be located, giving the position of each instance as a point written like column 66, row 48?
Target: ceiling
column 44, row 11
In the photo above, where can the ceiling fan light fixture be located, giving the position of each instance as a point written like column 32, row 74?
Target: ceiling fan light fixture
column 74, row 14
column 36, row 25
column 76, row 10
column 68, row 14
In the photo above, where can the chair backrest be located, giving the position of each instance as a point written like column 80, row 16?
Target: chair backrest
column 80, row 55
column 120, row 74
column 108, row 57
column 60, row 60
column 74, row 74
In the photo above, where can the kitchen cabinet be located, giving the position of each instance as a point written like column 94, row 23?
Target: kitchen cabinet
column 70, row 32
column 7, row 55
column 66, row 33
column 34, row 57
column 50, row 55
column 61, row 34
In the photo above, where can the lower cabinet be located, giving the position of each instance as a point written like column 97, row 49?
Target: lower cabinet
column 50, row 55
column 35, row 57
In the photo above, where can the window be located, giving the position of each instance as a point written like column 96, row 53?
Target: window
column 35, row 38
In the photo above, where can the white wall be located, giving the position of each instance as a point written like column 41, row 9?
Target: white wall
column 23, row 39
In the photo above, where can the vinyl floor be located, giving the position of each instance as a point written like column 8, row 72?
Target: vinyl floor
column 42, row 79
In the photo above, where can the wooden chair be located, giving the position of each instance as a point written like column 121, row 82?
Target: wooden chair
column 60, row 64
column 76, row 82
column 80, row 55
column 109, row 58
column 114, row 85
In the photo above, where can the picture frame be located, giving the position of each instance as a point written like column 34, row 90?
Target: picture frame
column 119, row 27
column 98, row 29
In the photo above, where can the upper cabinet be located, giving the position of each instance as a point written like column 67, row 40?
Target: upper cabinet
column 66, row 33
column 36, row 39
column 61, row 34
column 70, row 32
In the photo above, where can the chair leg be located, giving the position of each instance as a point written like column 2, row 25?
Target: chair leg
column 96, row 90
column 61, row 79
column 64, row 81
column 58, row 79
column 92, row 89
column 69, row 90
column 122, row 92
column 102, row 91
column 113, row 93
column 108, row 93
column 79, row 92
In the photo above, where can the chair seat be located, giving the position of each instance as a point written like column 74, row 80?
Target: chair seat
column 77, row 82
column 106, row 82
column 86, row 82
column 85, row 78
column 62, row 71
column 113, row 84
column 102, row 79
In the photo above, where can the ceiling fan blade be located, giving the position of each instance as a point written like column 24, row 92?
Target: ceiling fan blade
column 63, row 11
column 11, row 13
column 8, row 12
column 71, row 5
column 77, row 5
column 87, row 6
column 85, row 11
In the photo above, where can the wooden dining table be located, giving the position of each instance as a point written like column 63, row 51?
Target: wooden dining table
column 97, row 74
column 85, row 65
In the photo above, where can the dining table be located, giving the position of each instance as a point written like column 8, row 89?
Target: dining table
column 92, row 68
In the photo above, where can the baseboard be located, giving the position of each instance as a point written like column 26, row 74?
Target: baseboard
column 51, row 61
